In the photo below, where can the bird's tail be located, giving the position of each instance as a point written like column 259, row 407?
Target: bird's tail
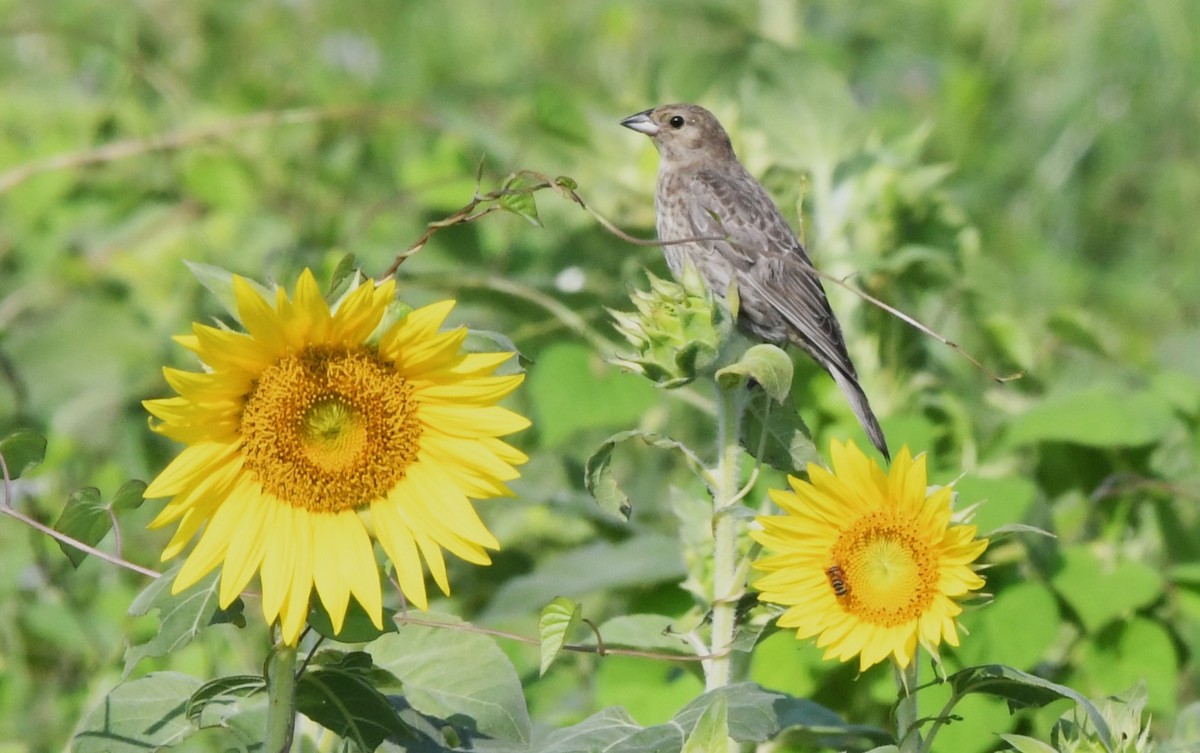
column 862, row 408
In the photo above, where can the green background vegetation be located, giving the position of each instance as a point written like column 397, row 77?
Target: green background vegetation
column 1023, row 177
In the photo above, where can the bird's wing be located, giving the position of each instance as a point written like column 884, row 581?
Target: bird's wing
column 770, row 264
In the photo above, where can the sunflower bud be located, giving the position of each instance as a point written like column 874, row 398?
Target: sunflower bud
column 676, row 332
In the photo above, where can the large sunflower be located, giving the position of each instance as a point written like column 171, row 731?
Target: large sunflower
column 867, row 560
column 307, row 438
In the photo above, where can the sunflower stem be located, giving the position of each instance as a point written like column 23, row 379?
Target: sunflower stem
column 907, row 733
column 726, row 588
column 281, row 699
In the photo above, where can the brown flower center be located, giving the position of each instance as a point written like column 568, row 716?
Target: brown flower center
column 330, row 428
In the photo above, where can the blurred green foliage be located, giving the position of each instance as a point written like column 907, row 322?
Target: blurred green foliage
column 1019, row 176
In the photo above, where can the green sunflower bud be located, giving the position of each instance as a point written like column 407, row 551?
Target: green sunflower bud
column 676, row 332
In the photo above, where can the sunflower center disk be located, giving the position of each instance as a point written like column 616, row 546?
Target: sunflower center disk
column 330, row 428
column 891, row 572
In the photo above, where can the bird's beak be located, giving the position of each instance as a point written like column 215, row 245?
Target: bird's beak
column 641, row 123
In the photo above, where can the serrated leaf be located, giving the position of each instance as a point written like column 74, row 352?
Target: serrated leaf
column 787, row 445
column 1023, row 690
column 600, row 731
column 766, row 365
column 598, row 476
column 22, row 451
column 448, row 672
column 711, row 733
column 225, row 692
column 138, row 716
column 558, row 620
column 344, row 701
column 180, row 617
column 85, row 519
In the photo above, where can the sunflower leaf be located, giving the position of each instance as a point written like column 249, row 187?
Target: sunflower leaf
column 777, row 436
column 602, row 483
column 1023, row 690
column 219, row 282
column 765, row 365
column 711, row 731
column 343, row 700
column 144, row 714
column 453, row 673
column 85, row 519
column 22, row 450
column 558, row 620
column 222, row 695
column 180, row 616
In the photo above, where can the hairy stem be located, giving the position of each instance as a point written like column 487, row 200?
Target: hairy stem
column 726, row 588
column 907, row 734
column 281, row 699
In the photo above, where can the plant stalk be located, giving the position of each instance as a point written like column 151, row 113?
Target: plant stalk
column 281, row 699
column 907, row 734
column 726, row 588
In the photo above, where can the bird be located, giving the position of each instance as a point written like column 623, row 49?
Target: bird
column 742, row 238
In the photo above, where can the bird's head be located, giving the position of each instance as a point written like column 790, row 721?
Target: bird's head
column 683, row 134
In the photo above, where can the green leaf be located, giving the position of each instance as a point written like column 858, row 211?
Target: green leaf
column 180, row 617
column 1017, row 628
column 558, row 620
column 1022, row 690
column 342, row 699
column 219, row 282
column 600, row 731
column 635, row 562
column 357, row 626
column 85, row 519
column 520, row 199
column 573, row 389
column 765, row 364
column 343, row 273
column 22, row 451
column 1101, row 416
column 145, row 714
column 224, row 693
column 449, row 672
column 711, row 733
column 787, row 444
column 1024, row 744
column 598, row 476
column 1100, row 591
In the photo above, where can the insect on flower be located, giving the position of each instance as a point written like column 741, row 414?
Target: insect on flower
column 837, row 579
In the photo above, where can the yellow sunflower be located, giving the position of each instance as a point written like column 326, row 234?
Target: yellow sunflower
column 867, row 560
column 308, row 438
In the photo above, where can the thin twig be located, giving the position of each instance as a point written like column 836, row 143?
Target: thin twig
column 918, row 326
column 565, row 187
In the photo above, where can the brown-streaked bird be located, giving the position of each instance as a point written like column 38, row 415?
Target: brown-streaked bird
column 704, row 192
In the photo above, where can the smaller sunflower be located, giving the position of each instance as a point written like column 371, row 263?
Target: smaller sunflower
column 321, row 431
column 867, row 560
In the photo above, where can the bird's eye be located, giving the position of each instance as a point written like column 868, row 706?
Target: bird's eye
column 676, row 122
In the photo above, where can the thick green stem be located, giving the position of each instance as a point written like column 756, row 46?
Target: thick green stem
column 281, row 699
column 726, row 588
column 907, row 733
